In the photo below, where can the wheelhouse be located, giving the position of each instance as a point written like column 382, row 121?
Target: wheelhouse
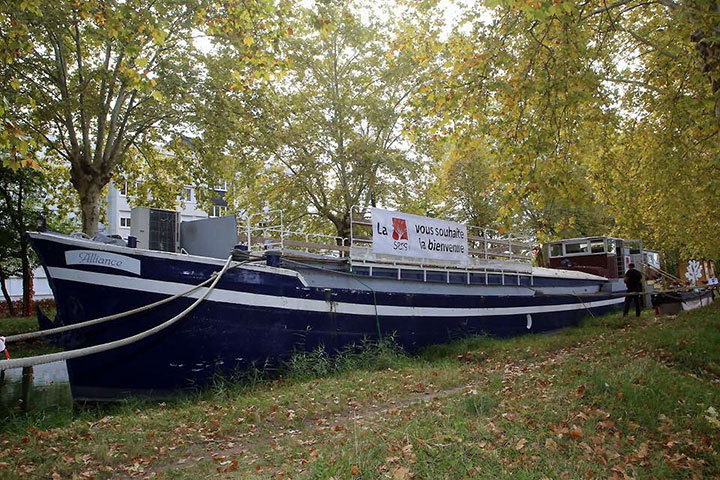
column 605, row 256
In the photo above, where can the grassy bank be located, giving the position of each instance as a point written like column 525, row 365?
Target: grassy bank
column 608, row 399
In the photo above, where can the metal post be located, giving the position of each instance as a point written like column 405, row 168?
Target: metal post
column 282, row 232
column 249, row 235
column 27, row 381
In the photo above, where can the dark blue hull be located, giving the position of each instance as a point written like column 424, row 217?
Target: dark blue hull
column 259, row 315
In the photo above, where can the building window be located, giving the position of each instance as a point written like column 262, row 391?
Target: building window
column 187, row 194
column 222, row 187
column 123, row 188
column 125, row 222
column 219, row 210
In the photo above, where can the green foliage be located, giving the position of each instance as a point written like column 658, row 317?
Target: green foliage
column 587, row 119
column 99, row 86
column 21, row 206
column 324, row 133
column 556, row 118
column 99, row 83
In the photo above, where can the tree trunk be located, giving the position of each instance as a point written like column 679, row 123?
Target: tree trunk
column 27, row 278
column 342, row 226
column 90, row 205
column 6, row 294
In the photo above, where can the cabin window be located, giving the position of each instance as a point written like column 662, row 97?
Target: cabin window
column 597, row 246
column 611, row 245
column 495, row 279
column 556, row 250
column 458, row 277
column 384, row 272
column 411, row 274
column 361, row 270
column 435, row 276
column 577, row 247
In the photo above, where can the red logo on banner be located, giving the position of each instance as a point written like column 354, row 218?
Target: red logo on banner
column 399, row 229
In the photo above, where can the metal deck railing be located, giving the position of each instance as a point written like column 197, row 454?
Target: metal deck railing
column 494, row 258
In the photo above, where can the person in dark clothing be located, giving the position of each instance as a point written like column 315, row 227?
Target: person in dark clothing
column 633, row 282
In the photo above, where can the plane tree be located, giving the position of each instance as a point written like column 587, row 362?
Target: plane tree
column 597, row 116
column 329, row 132
column 98, row 84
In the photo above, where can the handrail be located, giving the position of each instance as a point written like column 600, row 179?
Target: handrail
column 483, row 243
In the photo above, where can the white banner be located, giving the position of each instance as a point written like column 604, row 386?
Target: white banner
column 102, row 259
column 407, row 235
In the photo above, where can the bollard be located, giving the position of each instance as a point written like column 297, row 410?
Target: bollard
column 27, row 381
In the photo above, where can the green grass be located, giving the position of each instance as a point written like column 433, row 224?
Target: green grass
column 17, row 325
column 609, row 398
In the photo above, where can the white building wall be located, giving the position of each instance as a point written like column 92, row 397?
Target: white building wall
column 118, row 213
column 40, row 286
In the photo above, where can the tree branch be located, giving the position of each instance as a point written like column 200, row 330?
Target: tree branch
column 84, row 122
column 104, row 103
column 65, row 94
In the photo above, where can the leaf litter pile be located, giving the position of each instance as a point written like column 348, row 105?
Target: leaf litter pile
column 608, row 399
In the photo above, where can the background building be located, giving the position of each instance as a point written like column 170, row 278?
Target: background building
column 118, row 208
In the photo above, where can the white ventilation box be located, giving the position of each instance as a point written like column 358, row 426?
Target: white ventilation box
column 155, row 229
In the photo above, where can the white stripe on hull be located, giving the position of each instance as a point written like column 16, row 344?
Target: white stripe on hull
column 308, row 305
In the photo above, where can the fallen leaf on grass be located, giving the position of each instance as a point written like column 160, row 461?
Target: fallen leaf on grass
column 401, row 473
column 521, row 444
column 354, row 470
column 580, row 390
column 229, row 466
column 551, row 445
column 606, row 424
column 712, row 418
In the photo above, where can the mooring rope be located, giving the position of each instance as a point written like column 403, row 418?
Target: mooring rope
column 87, row 323
column 82, row 352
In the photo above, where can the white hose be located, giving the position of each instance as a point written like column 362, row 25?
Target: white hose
column 82, row 352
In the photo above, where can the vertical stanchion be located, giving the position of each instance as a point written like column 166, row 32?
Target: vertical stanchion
column 27, row 381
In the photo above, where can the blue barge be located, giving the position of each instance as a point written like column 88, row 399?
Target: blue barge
column 280, row 300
